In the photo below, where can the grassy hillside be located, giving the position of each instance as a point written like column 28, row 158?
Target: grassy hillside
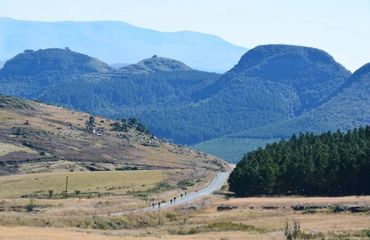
column 41, row 138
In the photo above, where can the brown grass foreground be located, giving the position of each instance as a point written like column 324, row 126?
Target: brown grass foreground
column 28, row 233
column 251, row 220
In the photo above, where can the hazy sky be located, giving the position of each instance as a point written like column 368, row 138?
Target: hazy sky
column 341, row 27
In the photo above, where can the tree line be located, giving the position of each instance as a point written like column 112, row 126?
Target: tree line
column 330, row 164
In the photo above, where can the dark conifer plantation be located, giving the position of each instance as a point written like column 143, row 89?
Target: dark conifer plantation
column 329, row 164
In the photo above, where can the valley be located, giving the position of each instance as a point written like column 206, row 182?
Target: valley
column 62, row 168
column 113, row 131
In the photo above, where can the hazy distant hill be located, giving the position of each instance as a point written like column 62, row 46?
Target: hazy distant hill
column 2, row 64
column 114, row 42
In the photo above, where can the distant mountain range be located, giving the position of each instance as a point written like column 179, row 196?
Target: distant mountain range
column 118, row 42
column 274, row 91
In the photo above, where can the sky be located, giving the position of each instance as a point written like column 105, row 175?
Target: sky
column 340, row 27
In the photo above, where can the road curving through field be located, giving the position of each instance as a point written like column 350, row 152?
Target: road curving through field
column 218, row 181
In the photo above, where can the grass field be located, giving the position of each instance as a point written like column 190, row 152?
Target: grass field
column 251, row 220
column 28, row 233
column 116, row 182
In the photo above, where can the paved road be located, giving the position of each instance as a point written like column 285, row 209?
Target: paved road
column 215, row 185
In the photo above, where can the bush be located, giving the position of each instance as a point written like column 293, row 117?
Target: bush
column 171, row 216
column 30, row 206
column 292, row 232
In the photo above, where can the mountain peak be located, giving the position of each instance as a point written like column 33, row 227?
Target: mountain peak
column 309, row 75
column 280, row 57
column 50, row 60
column 155, row 64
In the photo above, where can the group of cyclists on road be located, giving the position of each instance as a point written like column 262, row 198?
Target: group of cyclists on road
column 172, row 201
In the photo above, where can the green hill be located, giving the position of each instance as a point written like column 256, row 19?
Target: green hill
column 155, row 64
column 348, row 107
column 32, row 72
column 269, row 84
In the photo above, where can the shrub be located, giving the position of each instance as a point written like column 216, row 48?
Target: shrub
column 30, row 206
column 292, row 232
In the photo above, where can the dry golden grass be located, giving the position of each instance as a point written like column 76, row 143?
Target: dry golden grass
column 60, row 134
column 274, row 219
column 177, row 224
column 116, row 182
column 28, row 233
column 288, row 201
column 6, row 148
column 6, row 115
